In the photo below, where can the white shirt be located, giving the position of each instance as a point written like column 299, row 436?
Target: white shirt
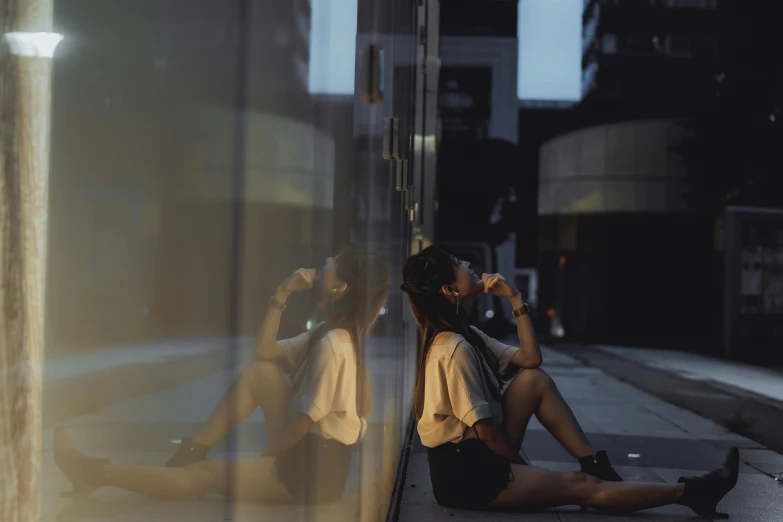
column 456, row 394
column 326, row 385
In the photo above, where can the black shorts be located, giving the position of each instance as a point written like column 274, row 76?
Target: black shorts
column 315, row 470
column 467, row 474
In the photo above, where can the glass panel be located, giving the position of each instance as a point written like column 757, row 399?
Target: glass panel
column 381, row 222
column 208, row 328
column 145, row 292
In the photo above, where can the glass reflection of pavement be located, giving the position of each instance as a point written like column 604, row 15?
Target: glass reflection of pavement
column 142, row 430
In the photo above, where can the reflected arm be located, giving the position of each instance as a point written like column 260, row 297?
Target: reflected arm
column 266, row 347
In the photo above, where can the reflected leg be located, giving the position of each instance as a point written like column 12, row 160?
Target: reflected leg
column 246, row 479
column 261, row 384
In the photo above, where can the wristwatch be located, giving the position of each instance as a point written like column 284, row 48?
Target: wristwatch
column 276, row 304
column 523, row 310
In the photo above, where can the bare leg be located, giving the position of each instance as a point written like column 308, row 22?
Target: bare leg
column 534, row 392
column 261, row 384
column 253, row 479
column 535, row 488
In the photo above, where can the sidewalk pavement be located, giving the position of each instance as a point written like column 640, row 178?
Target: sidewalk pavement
column 753, row 379
column 625, row 421
column 57, row 368
column 86, row 383
column 740, row 397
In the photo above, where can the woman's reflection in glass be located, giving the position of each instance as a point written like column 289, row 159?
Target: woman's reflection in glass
column 313, row 389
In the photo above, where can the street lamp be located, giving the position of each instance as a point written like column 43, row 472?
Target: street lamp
column 38, row 44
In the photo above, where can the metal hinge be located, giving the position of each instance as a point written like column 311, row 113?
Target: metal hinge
column 400, row 171
column 412, row 206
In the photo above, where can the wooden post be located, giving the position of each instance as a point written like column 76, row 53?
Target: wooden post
column 25, row 99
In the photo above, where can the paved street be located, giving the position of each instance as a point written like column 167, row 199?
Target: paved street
column 140, row 429
column 752, row 379
column 746, row 399
column 670, row 441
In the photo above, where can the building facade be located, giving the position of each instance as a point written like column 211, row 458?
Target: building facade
column 619, row 247
column 657, row 53
column 478, row 80
column 623, row 257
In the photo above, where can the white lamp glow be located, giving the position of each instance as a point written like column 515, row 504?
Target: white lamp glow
column 39, row 45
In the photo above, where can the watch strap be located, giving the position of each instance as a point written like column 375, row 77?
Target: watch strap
column 276, row 304
column 523, row 310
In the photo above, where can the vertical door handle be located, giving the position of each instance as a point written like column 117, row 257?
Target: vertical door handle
column 372, row 91
column 391, row 138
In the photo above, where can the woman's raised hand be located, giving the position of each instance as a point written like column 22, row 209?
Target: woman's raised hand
column 302, row 279
column 496, row 284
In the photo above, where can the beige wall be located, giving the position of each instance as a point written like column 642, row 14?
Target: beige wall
column 623, row 167
column 107, row 225
column 143, row 162
column 143, row 223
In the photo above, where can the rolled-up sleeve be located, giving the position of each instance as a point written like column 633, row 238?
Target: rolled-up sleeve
column 465, row 385
column 319, row 384
column 295, row 349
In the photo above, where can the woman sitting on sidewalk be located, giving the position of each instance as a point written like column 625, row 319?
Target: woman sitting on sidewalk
column 473, row 427
column 312, row 422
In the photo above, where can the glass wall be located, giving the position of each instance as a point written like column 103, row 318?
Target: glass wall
column 210, row 162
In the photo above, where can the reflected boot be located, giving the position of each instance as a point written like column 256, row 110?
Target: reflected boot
column 598, row 465
column 703, row 493
column 85, row 473
column 188, row 453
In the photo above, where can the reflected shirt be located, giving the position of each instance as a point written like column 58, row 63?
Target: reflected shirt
column 456, row 394
column 326, row 384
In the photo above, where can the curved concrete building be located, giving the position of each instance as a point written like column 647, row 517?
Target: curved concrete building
column 623, row 167
column 623, row 260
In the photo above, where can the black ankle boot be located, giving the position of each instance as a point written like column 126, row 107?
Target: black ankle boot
column 85, row 473
column 703, row 493
column 598, row 465
column 188, row 453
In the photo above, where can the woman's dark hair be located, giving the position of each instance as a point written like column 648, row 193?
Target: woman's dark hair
column 367, row 276
column 424, row 274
